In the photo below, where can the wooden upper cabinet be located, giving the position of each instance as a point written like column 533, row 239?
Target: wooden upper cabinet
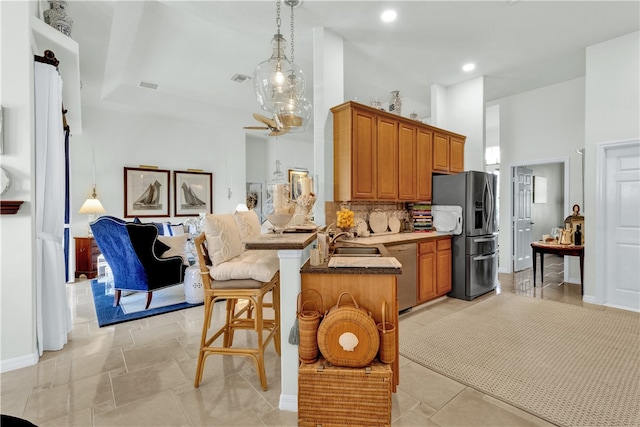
column 354, row 154
column 381, row 156
column 387, row 159
column 408, row 161
column 448, row 153
column 440, row 152
column 456, row 154
column 424, row 144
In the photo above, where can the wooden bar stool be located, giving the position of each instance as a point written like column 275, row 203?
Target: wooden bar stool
column 249, row 317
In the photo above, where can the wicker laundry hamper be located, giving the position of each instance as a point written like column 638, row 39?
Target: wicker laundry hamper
column 340, row 396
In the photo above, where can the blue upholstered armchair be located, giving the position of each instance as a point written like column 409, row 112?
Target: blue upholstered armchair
column 133, row 254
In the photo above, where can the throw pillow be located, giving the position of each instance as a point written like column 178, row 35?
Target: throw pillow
column 223, row 237
column 160, row 228
column 177, row 245
column 248, row 224
column 176, row 229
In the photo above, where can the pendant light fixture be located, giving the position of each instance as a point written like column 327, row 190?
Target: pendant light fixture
column 279, row 83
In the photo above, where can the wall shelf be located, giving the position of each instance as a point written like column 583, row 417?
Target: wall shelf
column 67, row 52
column 10, row 207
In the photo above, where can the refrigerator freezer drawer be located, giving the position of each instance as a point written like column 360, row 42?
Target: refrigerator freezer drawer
column 482, row 274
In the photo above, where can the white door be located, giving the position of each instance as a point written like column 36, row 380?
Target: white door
column 521, row 218
column 623, row 227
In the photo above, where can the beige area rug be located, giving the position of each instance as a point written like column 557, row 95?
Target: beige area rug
column 570, row 365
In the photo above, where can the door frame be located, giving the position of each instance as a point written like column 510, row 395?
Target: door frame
column 565, row 161
column 600, row 234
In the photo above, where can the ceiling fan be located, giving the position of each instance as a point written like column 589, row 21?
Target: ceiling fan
column 274, row 125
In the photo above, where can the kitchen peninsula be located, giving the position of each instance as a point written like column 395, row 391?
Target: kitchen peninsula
column 293, row 252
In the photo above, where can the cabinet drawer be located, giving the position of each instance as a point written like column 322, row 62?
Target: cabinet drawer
column 444, row 244
column 426, row 247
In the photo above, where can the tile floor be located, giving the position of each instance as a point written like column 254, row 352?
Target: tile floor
column 140, row 373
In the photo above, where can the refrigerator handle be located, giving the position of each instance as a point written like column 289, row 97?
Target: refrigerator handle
column 480, row 258
column 484, row 239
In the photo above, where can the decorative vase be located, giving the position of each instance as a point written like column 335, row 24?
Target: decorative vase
column 395, row 105
column 376, row 104
column 56, row 16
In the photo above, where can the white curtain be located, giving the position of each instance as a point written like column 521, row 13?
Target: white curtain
column 53, row 316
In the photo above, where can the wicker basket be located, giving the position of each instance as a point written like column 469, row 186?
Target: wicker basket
column 387, row 331
column 331, row 395
column 309, row 316
column 348, row 335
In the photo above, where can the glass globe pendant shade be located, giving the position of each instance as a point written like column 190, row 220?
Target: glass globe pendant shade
column 277, row 80
column 296, row 114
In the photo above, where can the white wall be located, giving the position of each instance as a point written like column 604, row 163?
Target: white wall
column 17, row 272
column 536, row 126
column 612, row 111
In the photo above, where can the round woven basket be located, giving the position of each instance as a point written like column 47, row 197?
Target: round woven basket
column 348, row 335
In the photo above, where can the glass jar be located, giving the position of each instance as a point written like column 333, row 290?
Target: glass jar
column 395, row 105
column 278, row 207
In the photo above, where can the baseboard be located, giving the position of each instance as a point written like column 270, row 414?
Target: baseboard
column 288, row 402
column 590, row 299
column 18, row 362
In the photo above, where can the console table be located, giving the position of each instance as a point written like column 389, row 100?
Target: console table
column 557, row 249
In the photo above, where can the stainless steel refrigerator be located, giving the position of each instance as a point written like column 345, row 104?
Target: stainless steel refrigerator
column 475, row 250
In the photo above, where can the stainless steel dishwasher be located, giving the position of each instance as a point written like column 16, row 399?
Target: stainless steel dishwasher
column 407, row 254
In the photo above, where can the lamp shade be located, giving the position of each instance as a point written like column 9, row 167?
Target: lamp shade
column 92, row 206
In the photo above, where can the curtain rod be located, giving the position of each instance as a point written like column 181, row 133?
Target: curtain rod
column 48, row 58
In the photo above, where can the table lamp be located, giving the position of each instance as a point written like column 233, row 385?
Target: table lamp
column 93, row 207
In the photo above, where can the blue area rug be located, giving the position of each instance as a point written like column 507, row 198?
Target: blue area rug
column 109, row 315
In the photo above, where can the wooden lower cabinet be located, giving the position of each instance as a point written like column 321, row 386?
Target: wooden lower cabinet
column 434, row 269
column 369, row 290
column 443, row 266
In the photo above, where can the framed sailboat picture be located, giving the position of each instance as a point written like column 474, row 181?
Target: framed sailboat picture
column 146, row 192
column 192, row 193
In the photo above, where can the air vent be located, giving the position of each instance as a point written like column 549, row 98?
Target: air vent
column 147, row 85
column 239, row 78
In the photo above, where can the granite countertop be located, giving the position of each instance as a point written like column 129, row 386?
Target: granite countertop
column 325, row 269
column 274, row 241
column 397, row 238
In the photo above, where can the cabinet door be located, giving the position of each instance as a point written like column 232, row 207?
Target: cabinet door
column 426, row 277
column 426, row 271
column 456, row 154
column 407, row 162
column 363, row 167
column 424, row 143
column 443, row 267
column 440, row 152
column 387, row 159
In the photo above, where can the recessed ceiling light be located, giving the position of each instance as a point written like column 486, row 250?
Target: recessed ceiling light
column 468, row 67
column 388, row 16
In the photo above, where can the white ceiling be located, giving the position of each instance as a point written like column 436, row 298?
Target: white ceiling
column 192, row 48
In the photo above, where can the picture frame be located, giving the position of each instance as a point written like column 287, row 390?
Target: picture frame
column 192, row 193
column 255, row 199
column 146, row 192
column 295, row 175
